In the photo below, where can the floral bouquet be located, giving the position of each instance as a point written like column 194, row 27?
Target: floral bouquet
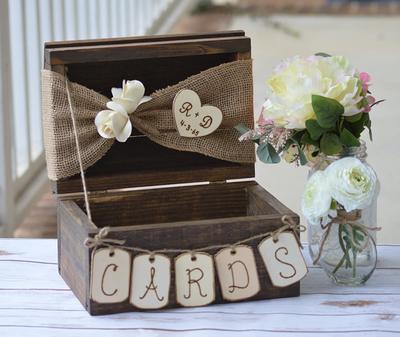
column 316, row 110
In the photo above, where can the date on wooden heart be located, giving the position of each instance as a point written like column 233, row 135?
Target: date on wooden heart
column 193, row 119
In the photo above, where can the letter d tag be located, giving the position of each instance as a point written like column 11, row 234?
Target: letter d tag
column 283, row 259
column 237, row 273
column 110, row 275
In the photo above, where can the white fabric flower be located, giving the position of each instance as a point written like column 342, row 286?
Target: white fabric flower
column 352, row 183
column 114, row 123
column 316, row 200
column 130, row 96
column 294, row 82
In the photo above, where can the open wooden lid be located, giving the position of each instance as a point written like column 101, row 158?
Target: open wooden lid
column 158, row 61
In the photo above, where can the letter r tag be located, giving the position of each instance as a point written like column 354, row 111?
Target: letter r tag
column 151, row 276
column 194, row 277
column 110, row 275
column 283, row 259
column 237, row 273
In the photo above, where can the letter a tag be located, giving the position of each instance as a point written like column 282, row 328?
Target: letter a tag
column 151, row 278
column 194, row 277
column 237, row 273
column 110, row 275
column 283, row 259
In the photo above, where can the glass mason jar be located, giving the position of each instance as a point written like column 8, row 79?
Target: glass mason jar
column 345, row 247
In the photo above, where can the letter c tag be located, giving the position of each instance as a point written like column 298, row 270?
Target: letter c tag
column 110, row 275
column 237, row 273
column 283, row 259
column 194, row 277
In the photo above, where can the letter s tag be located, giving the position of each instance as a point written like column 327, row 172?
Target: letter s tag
column 237, row 273
column 194, row 278
column 283, row 259
column 110, row 275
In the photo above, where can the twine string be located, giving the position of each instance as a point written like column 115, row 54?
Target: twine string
column 346, row 218
column 78, row 150
column 101, row 240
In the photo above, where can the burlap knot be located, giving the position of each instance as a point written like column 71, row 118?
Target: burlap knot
column 345, row 218
column 228, row 86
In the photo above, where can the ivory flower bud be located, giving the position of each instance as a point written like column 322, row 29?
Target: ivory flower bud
column 316, row 200
column 130, row 96
column 114, row 123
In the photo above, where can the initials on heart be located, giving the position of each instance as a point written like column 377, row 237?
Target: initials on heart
column 193, row 119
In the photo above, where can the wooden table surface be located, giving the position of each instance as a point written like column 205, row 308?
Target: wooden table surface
column 35, row 301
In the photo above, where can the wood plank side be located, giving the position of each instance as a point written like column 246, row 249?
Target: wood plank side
column 166, row 205
column 136, row 39
column 261, row 200
column 140, row 162
column 143, row 50
column 74, row 265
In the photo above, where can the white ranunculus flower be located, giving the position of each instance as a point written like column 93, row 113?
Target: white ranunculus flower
column 352, row 183
column 316, row 200
column 114, row 123
column 290, row 89
column 130, row 96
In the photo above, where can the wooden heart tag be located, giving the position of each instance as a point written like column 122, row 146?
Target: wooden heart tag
column 191, row 118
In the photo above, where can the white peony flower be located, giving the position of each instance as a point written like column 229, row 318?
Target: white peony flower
column 130, row 96
column 294, row 82
column 114, row 123
column 316, row 200
column 352, row 183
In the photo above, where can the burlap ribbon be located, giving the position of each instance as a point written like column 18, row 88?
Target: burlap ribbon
column 228, row 86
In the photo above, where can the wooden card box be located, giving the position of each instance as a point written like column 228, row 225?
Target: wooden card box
column 209, row 211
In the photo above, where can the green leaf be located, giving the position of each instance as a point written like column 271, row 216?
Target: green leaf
column 368, row 125
column 314, row 129
column 357, row 128
column 348, row 139
column 267, row 154
column 354, row 118
column 242, row 128
column 323, row 54
column 302, row 156
column 330, row 144
column 298, row 135
column 306, row 139
column 327, row 110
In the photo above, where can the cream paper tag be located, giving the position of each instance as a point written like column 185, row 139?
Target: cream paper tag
column 283, row 259
column 237, row 273
column 151, row 278
column 110, row 275
column 194, row 277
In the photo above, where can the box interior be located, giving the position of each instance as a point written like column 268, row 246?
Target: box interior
column 174, row 204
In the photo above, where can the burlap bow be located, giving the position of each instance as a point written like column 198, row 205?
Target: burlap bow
column 228, row 86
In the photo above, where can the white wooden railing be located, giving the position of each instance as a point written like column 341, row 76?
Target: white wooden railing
column 24, row 26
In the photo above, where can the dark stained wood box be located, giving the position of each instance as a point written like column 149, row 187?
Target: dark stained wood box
column 143, row 213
